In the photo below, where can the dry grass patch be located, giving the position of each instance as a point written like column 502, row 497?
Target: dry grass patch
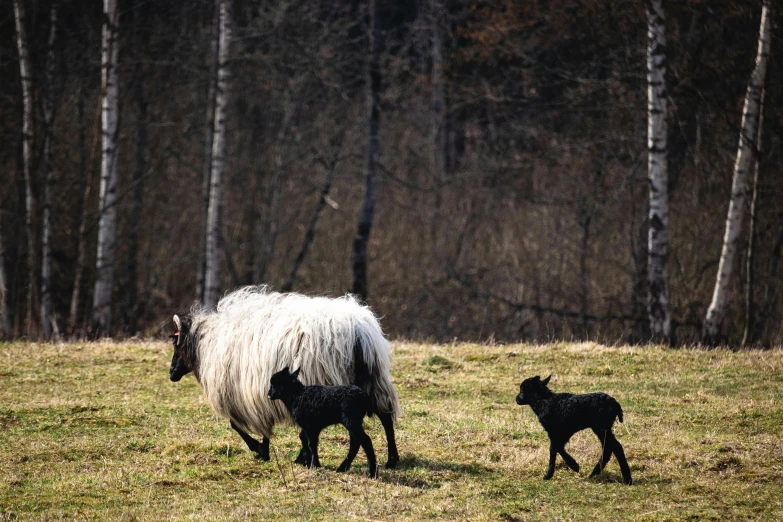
column 96, row 431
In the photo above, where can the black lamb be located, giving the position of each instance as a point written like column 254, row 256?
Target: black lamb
column 313, row 408
column 564, row 414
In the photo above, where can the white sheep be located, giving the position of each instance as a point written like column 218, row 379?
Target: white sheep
column 233, row 352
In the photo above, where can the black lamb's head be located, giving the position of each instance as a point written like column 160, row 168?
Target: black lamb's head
column 532, row 388
column 182, row 362
column 283, row 382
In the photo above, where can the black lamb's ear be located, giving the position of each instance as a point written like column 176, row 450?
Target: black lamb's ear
column 546, row 381
column 296, row 373
column 537, row 378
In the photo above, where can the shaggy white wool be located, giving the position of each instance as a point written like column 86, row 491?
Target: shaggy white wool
column 255, row 333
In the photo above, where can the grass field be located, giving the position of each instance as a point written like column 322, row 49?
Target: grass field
column 97, row 431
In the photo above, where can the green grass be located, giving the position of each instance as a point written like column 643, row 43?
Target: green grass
column 97, row 431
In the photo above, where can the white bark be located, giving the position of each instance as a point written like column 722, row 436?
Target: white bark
column 27, row 144
column 47, row 319
column 214, row 214
column 746, row 154
column 101, row 305
column 658, row 171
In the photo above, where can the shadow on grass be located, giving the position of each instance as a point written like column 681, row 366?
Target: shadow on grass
column 408, row 462
column 607, row 477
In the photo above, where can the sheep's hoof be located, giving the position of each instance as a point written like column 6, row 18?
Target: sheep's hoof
column 343, row 468
column 374, row 473
column 261, row 456
column 628, row 482
column 576, row 468
column 392, row 463
column 548, row 476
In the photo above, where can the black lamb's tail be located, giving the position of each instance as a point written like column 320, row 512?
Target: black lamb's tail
column 619, row 411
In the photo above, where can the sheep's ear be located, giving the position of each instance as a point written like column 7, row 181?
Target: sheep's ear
column 537, row 378
column 296, row 373
column 546, row 381
column 178, row 323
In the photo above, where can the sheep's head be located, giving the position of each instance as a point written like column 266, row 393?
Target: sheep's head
column 532, row 388
column 182, row 362
column 283, row 382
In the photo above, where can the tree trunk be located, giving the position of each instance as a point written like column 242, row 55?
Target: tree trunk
column 310, row 233
column 745, row 156
column 437, row 134
column 5, row 323
column 212, row 269
column 770, row 289
column 359, row 254
column 27, row 145
column 749, row 335
column 47, row 319
column 131, row 262
column 85, row 187
column 658, row 171
column 101, row 305
column 209, row 125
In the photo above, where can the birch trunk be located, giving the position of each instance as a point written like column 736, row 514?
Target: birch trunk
column 101, row 305
column 658, row 171
column 359, row 254
column 739, row 191
column 47, row 319
column 5, row 323
column 209, row 125
column 749, row 335
column 212, row 268
column 27, row 144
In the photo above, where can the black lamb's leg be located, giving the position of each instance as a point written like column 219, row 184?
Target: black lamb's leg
column 304, row 454
column 261, row 449
column 312, row 445
column 352, row 451
column 606, row 454
column 388, row 427
column 550, row 470
column 617, row 448
column 569, row 460
column 366, row 443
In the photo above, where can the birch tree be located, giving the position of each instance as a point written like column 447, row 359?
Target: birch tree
column 359, row 254
column 746, row 154
column 47, row 319
column 209, row 126
column 658, row 171
column 212, row 268
column 27, row 145
column 101, row 305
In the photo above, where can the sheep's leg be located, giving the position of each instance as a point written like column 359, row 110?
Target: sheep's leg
column 550, row 471
column 569, row 460
column 261, row 449
column 388, row 427
column 352, row 451
column 617, row 448
column 312, row 444
column 304, row 454
column 606, row 444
